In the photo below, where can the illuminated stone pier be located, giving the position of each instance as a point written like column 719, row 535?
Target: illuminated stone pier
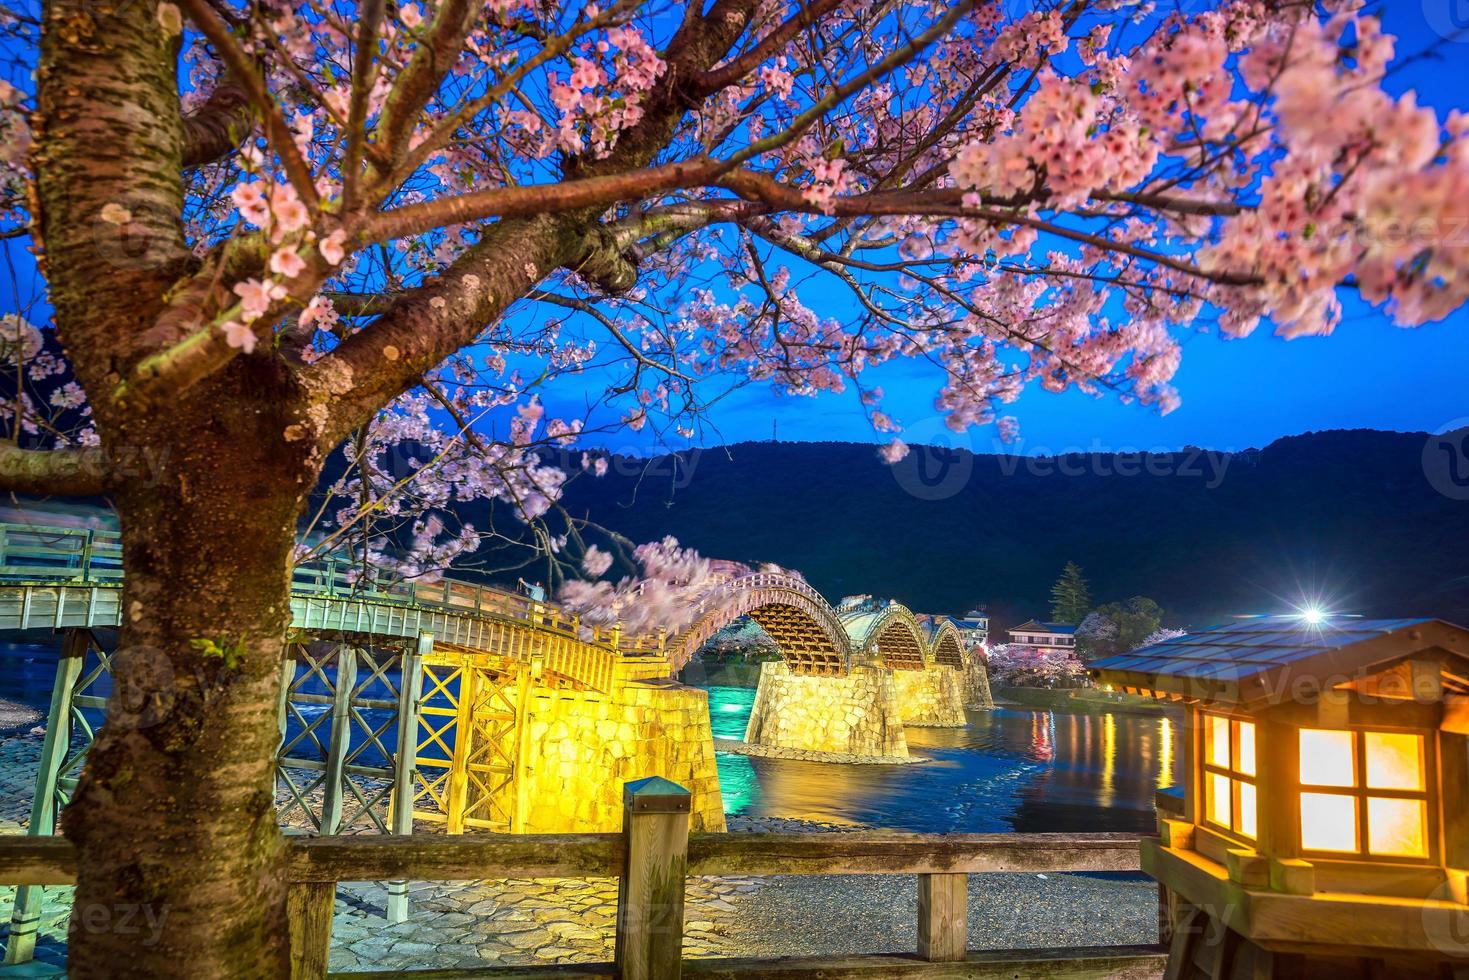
column 582, row 746
column 932, row 697
column 851, row 714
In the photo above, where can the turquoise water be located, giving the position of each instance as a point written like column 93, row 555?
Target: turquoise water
column 1010, row 769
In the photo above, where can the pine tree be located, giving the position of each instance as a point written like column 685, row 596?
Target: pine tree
column 1070, row 597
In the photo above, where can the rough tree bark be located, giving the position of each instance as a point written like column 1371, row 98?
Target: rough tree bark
column 180, row 871
column 174, row 819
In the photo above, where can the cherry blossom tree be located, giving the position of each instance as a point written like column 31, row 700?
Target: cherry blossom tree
column 288, row 244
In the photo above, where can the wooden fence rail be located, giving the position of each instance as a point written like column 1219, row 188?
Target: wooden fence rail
column 652, row 857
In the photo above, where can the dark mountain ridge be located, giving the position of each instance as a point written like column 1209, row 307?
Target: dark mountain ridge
column 1355, row 518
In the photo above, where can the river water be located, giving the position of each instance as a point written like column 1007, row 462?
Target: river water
column 1012, row 769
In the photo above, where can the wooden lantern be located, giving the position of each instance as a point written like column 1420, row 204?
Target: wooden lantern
column 1322, row 827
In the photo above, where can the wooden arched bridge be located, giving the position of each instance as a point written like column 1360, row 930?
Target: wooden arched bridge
column 812, row 636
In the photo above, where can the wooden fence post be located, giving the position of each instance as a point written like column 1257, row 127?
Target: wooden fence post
column 309, row 909
column 943, row 917
column 341, row 738
column 405, row 763
column 650, row 893
column 25, row 916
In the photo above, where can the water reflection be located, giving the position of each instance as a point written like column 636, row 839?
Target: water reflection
column 1012, row 769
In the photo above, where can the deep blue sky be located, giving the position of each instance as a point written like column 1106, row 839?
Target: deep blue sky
column 1236, row 393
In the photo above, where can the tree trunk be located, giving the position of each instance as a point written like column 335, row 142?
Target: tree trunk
column 180, row 859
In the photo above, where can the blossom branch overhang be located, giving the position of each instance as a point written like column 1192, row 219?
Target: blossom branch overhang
column 444, row 129
column 433, row 57
column 364, row 72
column 606, row 189
column 536, row 199
column 741, row 65
column 755, row 186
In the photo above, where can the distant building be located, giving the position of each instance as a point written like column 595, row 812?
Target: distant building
column 1045, row 637
column 974, row 626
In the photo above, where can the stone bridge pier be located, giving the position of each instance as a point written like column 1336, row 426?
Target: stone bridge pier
column 932, row 697
column 849, row 677
column 856, row 713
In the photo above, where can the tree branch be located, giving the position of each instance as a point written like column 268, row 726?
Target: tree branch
column 420, row 328
column 737, row 68
column 218, row 127
column 54, row 472
column 526, row 201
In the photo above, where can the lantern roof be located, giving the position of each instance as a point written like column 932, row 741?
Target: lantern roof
column 1271, row 658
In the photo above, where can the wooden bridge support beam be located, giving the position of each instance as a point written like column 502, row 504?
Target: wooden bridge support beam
column 458, row 794
column 25, row 916
column 341, row 738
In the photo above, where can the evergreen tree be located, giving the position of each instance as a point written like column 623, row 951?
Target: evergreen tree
column 1070, row 597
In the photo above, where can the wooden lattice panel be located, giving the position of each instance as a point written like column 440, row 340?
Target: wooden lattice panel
column 743, row 596
column 900, row 647
column 801, row 640
column 947, row 651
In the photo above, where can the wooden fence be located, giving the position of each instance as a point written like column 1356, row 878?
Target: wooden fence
column 653, row 856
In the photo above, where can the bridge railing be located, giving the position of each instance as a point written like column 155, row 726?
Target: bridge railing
column 654, row 855
column 72, row 554
column 93, row 556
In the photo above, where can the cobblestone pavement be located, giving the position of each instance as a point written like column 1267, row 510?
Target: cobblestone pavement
column 524, row 921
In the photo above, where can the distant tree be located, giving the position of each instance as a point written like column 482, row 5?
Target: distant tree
column 1070, row 596
column 1118, row 627
column 1095, row 634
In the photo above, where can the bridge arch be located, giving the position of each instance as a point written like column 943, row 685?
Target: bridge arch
column 946, row 645
column 888, row 635
column 803, row 625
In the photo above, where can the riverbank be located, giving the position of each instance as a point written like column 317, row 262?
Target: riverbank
column 15, row 717
column 1078, row 699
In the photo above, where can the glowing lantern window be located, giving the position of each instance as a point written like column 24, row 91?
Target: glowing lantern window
column 1364, row 793
column 1326, row 758
column 1394, row 761
column 1229, row 775
column 1329, row 822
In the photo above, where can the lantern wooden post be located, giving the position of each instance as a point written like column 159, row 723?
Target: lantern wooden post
column 1278, row 762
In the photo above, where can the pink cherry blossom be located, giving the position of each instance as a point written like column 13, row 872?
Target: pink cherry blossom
column 240, row 335
column 332, row 247
column 285, row 262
